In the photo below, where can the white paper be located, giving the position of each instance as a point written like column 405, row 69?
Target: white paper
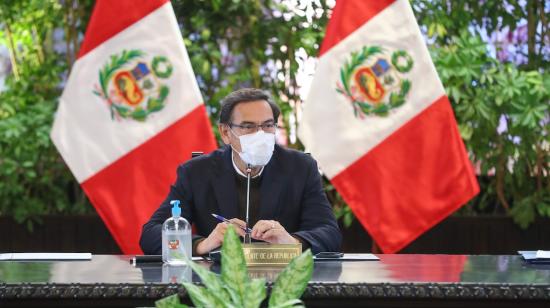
column 353, row 257
column 543, row 254
column 44, row 256
column 360, row 256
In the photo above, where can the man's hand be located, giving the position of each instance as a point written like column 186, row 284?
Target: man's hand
column 215, row 239
column 271, row 231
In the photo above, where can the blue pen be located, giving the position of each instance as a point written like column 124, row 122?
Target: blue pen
column 221, row 218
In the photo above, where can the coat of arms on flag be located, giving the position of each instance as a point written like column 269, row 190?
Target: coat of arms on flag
column 373, row 82
column 131, row 86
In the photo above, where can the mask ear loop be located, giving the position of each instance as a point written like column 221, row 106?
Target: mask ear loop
column 231, row 130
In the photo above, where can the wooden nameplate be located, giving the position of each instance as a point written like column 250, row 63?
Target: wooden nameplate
column 266, row 254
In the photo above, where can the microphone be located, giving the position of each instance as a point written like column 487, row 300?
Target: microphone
column 247, row 239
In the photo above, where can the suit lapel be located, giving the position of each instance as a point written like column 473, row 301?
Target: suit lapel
column 225, row 187
column 271, row 187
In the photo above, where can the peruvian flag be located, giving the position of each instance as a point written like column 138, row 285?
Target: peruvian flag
column 130, row 113
column 378, row 121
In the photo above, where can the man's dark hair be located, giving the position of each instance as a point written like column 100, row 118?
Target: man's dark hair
column 243, row 96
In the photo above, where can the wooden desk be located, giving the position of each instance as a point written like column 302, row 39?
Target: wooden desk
column 394, row 281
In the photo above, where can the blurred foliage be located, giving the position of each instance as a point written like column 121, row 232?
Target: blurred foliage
column 503, row 116
column 500, row 101
column 33, row 178
column 518, row 30
column 234, row 44
column 13, row 272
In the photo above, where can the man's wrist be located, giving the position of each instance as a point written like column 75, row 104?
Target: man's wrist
column 202, row 247
column 196, row 244
column 206, row 246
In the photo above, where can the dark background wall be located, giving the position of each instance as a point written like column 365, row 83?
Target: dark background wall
column 455, row 235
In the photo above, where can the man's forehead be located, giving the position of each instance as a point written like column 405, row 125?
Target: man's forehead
column 254, row 111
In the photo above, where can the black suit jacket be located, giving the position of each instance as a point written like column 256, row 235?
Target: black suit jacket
column 291, row 193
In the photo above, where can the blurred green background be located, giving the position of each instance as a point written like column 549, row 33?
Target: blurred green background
column 492, row 57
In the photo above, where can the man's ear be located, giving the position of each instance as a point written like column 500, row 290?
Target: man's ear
column 224, row 133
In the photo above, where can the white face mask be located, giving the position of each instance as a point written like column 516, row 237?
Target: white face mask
column 257, row 148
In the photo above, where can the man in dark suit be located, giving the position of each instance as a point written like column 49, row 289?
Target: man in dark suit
column 287, row 201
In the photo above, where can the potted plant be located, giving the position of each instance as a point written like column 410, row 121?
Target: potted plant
column 234, row 288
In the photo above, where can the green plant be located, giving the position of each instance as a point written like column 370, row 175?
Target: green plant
column 33, row 178
column 341, row 210
column 234, row 44
column 503, row 115
column 233, row 288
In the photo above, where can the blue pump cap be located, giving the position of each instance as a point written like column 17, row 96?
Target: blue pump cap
column 176, row 211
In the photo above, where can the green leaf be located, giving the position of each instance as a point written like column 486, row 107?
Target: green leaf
column 234, row 271
column 201, row 297
column 431, row 30
column 466, row 131
column 172, row 301
column 294, row 303
column 344, row 80
column 255, row 294
column 484, row 110
column 163, row 92
column 293, row 280
column 235, row 298
column 441, row 30
column 543, row 205
column 139, row 114
column 405, row 87
column 523, row 213
column 211, row 280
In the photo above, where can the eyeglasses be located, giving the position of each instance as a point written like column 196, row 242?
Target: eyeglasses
column 250, row 128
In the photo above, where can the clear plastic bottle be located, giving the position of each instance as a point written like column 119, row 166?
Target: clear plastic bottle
column 176, row 273
column 176, row 238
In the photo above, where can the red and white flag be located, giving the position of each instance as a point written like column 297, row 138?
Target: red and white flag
column 378, row 121
column 130, row 113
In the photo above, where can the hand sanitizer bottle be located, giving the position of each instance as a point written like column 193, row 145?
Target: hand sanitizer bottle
column 176, row 237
